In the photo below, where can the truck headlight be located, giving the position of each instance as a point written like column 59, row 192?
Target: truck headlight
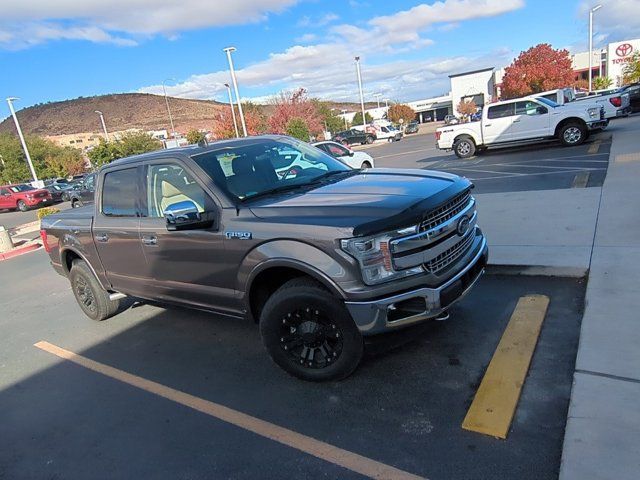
column 374, row 258
column 594, row 112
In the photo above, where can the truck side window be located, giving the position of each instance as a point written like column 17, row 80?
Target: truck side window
column 501, row 111
column 529, row 108
column 120, row 193
column 168, row 184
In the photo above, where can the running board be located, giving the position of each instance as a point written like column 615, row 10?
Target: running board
column 117, row 296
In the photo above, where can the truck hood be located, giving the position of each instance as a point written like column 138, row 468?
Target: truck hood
column 369, row 202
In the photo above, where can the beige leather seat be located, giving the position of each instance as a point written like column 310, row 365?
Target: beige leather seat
column 173, row 194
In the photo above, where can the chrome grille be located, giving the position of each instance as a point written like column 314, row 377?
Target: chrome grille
column 445, row 212
column 450, row 255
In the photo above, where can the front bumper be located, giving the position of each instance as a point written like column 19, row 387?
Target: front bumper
column 409, row 308
column 598, row 124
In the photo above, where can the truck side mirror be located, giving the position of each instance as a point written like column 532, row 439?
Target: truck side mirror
column 541, row 110
column 185, row 215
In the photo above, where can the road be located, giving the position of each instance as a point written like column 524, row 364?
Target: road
column 403, row 407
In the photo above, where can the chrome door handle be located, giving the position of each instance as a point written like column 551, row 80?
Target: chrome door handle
column 488, row 125
column 150, row 240
column 102, row 237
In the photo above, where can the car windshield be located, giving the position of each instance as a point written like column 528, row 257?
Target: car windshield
column 21, row 188
column 547, row 102
column 250, row 168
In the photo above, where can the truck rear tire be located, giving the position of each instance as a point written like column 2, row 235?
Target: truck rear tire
column 464, row 147
column 92, row 298
column 572, row 134
column 309, row 333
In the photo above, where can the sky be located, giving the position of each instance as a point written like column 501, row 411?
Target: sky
column 64, row 49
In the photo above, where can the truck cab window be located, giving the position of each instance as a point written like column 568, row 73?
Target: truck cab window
column 168, row 184
column 501, row 111
column 529, row 108
column 120, row 193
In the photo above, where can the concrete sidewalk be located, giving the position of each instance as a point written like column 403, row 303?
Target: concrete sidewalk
column 602, row 438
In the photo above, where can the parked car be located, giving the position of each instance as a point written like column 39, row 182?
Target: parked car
column 451, row 120
column 614, row 102
column 522, row 120
column 388, row 133
column 346, row 155
column 83, row 193
column 634, row 96
column 319, row 260
column 57, row 191
column 23, row 197
column 412, row 127
column 353, row 136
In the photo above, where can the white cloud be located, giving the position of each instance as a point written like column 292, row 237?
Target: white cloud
column 308, row 22
column 116, row 21
column 616, row 20
column 307, row 38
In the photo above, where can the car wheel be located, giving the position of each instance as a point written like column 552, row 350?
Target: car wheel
column 464, row 148
column 572, row 134
column 369, row 139
column 366, row 165
column 22, row 206
column 92, row 298
column 309, row 333
column 345, row 143
column 76, row 203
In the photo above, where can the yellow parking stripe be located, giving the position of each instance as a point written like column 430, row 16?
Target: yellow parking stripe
column 344, row 458
column 594, row 147
column 495, row 402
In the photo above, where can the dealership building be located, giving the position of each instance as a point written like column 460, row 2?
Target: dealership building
column 483, row 86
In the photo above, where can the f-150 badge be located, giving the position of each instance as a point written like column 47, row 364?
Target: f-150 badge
column 238, row 235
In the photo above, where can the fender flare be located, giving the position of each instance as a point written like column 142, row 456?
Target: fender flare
column 63, row 253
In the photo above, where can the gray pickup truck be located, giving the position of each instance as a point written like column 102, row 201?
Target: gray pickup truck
column 270, row 228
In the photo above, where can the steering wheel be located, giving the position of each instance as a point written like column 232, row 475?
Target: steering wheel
column 294, row 169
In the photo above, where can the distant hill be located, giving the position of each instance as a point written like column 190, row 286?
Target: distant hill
column 123, row 111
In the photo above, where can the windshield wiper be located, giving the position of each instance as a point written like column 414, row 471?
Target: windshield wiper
column 275, row 190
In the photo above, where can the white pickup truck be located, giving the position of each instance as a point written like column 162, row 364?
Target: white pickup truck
column 522, row 120
column 615, row 103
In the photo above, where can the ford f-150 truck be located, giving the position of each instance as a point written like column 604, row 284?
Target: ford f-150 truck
column 616, row 103
column 319, row 256
column 522, row 120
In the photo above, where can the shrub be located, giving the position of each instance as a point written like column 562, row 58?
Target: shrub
column 43, row 212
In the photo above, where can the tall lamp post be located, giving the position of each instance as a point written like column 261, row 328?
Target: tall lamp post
column 233, row 112
column 166, row 100
column 364, row 121
column 10, row 101
column 228, row 50
column 104, row 125
column 378, row 95
column 591, row 12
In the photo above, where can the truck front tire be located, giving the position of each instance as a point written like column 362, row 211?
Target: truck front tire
column 464, row 147
column 92, row 298
column 309, row 333
column 572, row 134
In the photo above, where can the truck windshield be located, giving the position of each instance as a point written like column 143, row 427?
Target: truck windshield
column 255, row 167
column 548, row 102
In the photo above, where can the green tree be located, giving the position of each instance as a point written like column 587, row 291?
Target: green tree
column 13, row 167
column 631, row 71
column 65, row 161
column 297, row 128
column 332, row 122
column 103, row 153
column 357, row 119
column 133, row 143
column 600, row 83
column 195, row 136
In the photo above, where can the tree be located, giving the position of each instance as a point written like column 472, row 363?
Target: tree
column 399, row 112
column 332, row 122
column 466, row 108
column 290, row 105
column 14, row 167
column 195, row 136
column 600, row 83
column 538, row 69
column 297, row 128
column 223, row 122
column 103, row 153
column 133, row 143
column 631, row 71
column 357, row 118
column 65, row 161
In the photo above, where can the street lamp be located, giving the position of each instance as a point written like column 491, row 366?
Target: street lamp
column 364, row 122
column 386, row 103
column 10, row 101
column 591, row 12
column 344, row 115
column 233, row 112
column 166, row 99
column 228, row 50
column 378, row 95
column 104, row 126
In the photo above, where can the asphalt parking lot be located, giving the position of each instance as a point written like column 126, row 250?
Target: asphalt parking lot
column 13, row 218
column 403, row 407
column 544, row 166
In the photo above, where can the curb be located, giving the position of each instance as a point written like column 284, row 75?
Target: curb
column 19, row 251
column 537, row 270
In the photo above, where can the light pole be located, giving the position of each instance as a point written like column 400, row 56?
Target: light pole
column 166, row 99
column 344, row 115
column 10, row 101
column 233, row 112
column 104, row 126
column 364, row 121
column 228, row 50
column 378, row 95
column 591, row 12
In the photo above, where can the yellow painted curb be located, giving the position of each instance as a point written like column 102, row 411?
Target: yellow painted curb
column 494, row 405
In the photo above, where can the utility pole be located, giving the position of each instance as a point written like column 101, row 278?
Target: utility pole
column 166, row 99
column 364, row 121
column 228, row 50
column 233, row 112
column 10, row 101
column 378, row 95
column 591, row 12
column 104, row 125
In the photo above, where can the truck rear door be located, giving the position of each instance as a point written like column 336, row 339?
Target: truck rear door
column 116, row 230
column 497, row 126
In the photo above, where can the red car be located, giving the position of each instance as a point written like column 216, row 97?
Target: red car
column 23, row 197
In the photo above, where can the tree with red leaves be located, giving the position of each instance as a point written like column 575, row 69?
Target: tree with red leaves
column 538, row 69
column 290, row 105
column 223, row 124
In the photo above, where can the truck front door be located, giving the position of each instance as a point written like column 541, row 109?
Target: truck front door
column 531, row 120
column 497, row 126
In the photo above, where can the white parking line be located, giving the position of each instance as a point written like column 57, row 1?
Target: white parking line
column 399, row 154
column 534, row 174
